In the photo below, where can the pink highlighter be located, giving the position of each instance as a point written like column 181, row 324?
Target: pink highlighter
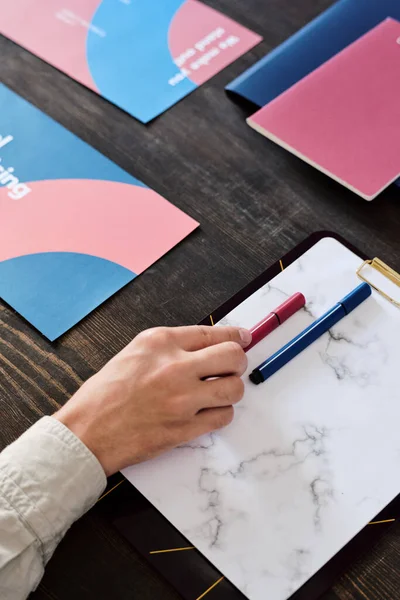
column 276, row 318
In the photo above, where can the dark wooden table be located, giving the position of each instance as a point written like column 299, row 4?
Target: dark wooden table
column 254, row 202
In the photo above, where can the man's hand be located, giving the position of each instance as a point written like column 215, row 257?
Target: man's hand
column 157, row 393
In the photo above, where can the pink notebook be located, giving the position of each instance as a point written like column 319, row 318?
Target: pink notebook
column 344, row 118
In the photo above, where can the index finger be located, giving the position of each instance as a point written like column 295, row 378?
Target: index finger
column 198, row 337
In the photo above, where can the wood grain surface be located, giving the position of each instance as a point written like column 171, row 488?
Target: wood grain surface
column 254, row 202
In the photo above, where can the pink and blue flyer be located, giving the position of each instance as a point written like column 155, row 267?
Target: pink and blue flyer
column 144, row 56
column 74, row 227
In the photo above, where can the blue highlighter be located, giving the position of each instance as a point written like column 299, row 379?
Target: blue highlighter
column 310, row 334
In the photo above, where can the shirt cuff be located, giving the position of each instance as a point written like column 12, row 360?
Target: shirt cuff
column 50, row 478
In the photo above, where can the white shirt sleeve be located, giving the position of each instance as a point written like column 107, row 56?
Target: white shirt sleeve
column 48, row 479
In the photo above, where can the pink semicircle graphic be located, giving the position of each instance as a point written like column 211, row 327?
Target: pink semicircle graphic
column 128, row 225
column 192, row 24
column 47, row 29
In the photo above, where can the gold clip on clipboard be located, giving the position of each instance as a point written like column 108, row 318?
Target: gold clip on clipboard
column 389, row 280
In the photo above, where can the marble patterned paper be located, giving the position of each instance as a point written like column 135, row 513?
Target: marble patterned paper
column 313, row 453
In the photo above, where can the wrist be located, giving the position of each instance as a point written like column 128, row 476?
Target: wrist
column 81, row 427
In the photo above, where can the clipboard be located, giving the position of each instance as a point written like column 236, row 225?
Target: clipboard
column 168, row 551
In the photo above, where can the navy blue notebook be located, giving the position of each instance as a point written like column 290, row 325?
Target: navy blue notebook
column 340, row 25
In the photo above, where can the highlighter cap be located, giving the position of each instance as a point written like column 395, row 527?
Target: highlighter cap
column 290, row 307
column 354, row 299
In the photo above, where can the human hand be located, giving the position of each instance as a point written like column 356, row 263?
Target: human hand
column 157, row 393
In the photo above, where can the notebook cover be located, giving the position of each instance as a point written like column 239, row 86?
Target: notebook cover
column 334, row 29
column 344, row 118
column 185, row 568
column 144, row 56
column 74, row 226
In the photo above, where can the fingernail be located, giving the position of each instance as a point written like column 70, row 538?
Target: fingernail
column 245, row 336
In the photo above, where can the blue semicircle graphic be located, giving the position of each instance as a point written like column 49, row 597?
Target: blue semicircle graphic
column 132, row 64
column 55, row 290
